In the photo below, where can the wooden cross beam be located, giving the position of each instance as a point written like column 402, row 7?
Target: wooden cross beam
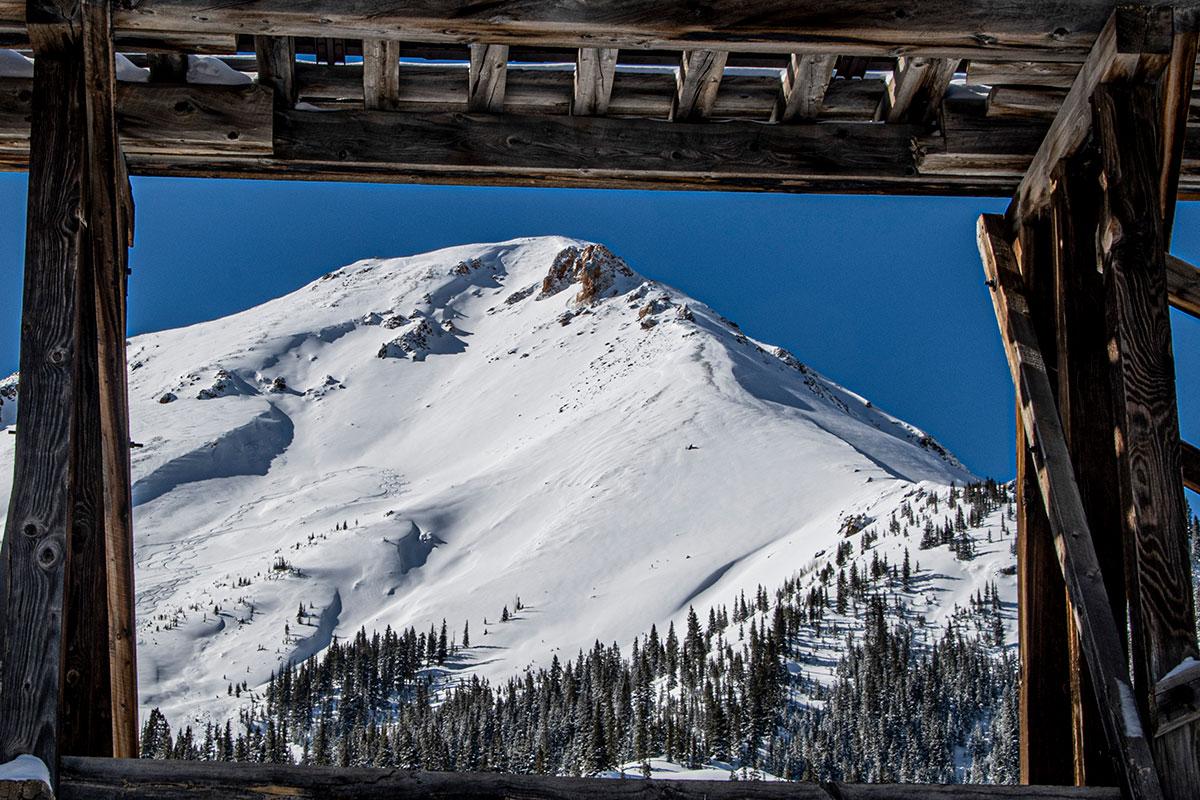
column 917, row 87
column 700, row 73
column 802, row 87
column 595, row 70
column 486, row 78
column 1183, row 285
column 381, row 74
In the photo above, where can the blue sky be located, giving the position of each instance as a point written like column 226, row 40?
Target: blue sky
column 884, row 295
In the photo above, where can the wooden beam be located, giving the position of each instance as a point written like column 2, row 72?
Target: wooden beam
column 699, row 80
column 1190, row 460
column 277, row 67
column 486, row 78
column 1085, row 406
column 1051, row 74
column 1176, row 103
column 1183, row 285
column 1094, row 617
column 1162, row 610
column 802, row 87
column 595, row 68
column 1135, row 41
column 1043, row 625
column 917, row 87
column 381, row 74
column 102, row 779
column 1025, row 101
column 1022, row 29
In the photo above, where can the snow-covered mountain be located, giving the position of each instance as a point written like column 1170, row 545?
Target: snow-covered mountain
column 416, row 439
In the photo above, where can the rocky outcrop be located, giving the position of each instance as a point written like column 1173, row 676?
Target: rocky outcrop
column 596, row 269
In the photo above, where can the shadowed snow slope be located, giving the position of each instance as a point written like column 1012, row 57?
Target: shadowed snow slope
column 421, row 438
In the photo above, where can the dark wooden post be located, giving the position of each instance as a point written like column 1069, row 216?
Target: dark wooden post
column 1085, row 407
column 1045, row 700
column 68, row 684
column 1162, row 610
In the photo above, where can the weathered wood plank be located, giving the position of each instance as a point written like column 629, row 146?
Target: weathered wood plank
column 381, row 74
column 109, row 221
column 1028, row 29
column 1162, row 610
column 1177, row 695
column 276, row 57
column 595, row 68
column 699, row 80
column 1072, row 539
column 802, row 87
column 41, row 512
column 101, row 779
column 1025, row 101
column 1052, row 74
column 1183, row 285
column 1135, row 41
column 1177, row 98
column 1043, row 625
column 486, row 78
column 917, row 87
column 1085, row 406
column 592, row 145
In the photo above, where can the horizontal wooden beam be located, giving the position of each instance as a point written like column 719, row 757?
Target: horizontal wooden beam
column 1183, row 285
column 102, row 779
column 1021, row 29
column 1190, row 458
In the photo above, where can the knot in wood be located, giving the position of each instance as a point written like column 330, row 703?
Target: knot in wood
column 57, row 356
column 31, row 529
column 49, row 555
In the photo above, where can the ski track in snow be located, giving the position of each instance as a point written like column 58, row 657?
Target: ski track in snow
column 429, row 437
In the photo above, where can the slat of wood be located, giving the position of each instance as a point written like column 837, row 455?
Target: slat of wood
column 1072, row 538
column 1043, row 626
column 1183, row 285
column 802, row 87
column 1190, row 456
column 1025, row 102
column 1022, row 73
column 1177, row 96
column 1029, row 29
column 917, row 88
column 276, row 57
column 1162, row 611
column 1085, row 406
column 41, row 512
column 102, row 779
column 1177, row 696
column 594, row 71
column 488, row 71
column 110, row 221
column 699, row 80
column 1135, row 41
column 381, row 74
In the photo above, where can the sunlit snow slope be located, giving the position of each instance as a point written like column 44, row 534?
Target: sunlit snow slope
column 527, row 418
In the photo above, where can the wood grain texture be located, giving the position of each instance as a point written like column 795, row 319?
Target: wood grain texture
column 1162, row 610
column 595, row 68
column 1135, row 41
column 917, row 87
column 1025, row 101
column 1085, row 406
column 381, row 74
column 1093, row 613
column 1004, row 29
column 1176, row 104
column 486, row 78
column 40, row 514
column 803, row 86
column 102, row 779
column 1022, row 73
column 697, row 84
column 25, row 790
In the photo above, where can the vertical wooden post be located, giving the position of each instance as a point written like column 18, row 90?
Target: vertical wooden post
column 1162, row 610
column 1085, row 408
column 1045, row 702
column 68, row 684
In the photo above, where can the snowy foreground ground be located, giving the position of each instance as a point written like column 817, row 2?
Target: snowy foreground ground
column 412, row 440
